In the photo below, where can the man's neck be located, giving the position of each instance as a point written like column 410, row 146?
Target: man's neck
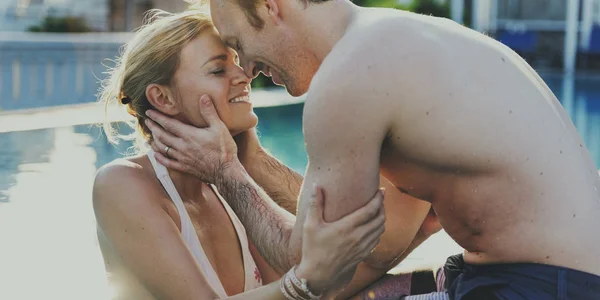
column 324, row 24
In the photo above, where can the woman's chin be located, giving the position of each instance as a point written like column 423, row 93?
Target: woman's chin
column 243, row 124
column 235, row 133
column 239, row 130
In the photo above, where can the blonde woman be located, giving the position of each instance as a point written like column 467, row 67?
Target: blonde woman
column 168, row 235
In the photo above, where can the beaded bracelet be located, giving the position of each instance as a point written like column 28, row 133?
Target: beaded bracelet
column 302, row 285
column 290, row 285
column 284, row 291
column 291, row 288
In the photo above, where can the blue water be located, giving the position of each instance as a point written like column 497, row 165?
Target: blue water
column 280, row 130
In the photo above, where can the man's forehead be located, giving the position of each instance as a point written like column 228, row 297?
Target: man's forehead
column 219, row 3
column 223, row 19
column 217, row 12
column 216, row 5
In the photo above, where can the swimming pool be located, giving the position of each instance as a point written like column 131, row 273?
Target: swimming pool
column 48, row 248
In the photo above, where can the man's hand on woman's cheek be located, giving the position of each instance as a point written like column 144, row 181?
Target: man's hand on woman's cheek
column 202, row 152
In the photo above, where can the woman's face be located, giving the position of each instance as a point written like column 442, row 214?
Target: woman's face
column 207, row 66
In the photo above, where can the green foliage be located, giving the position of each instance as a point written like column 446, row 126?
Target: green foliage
column 262, row 81
column 426, row 7
column 61, row 24
column 381, row 3
column 431, row 7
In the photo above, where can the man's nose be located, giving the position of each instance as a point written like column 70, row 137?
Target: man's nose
column 249, row 69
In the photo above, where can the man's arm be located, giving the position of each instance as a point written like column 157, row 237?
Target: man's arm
column 348, row 117
column 280, row 182
column 271, row 174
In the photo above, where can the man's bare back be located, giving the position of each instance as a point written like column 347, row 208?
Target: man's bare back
column 474, row 131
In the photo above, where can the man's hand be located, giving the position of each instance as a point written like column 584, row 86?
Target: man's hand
column 202, row 152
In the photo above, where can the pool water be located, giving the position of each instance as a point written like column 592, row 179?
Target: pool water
column 48, row 247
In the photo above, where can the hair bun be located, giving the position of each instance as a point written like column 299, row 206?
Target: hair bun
column 124, row 99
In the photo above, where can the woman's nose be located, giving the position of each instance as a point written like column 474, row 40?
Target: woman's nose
column 240, row 77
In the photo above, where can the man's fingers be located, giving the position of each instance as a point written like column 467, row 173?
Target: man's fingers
column 167, row 139
column 161, row 148
column 169, row 124
column 169, row 163
column 367, row 212
column 154, row 146
column 208, row 111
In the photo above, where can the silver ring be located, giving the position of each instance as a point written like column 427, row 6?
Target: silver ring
column 167, row 151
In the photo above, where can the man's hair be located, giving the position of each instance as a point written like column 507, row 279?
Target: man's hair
column 249, row 8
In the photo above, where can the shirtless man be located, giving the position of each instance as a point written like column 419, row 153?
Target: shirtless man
column 445, row 114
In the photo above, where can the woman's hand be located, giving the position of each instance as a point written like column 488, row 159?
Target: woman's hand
column 332, row 251
column 202, row 152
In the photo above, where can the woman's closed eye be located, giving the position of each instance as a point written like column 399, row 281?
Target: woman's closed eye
column 219, row 71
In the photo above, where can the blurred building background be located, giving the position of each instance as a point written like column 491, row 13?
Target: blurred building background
column 97, row 15
column 20, row 15
column 54, row 52
column 126, row 15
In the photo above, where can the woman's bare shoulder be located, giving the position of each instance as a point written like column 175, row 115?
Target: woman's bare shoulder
column 126, row 184
column 124, row 171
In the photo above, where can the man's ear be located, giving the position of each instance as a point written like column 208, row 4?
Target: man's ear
column 273, row 10
column 160, row 97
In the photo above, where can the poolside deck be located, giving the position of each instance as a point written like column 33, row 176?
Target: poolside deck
column 93, row 113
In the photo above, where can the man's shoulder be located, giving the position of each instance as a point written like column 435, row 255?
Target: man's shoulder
column 380, row 42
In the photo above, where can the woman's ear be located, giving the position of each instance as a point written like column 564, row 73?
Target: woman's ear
column 160, row 97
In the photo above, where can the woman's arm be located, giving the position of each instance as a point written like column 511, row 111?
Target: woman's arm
column 129, row 213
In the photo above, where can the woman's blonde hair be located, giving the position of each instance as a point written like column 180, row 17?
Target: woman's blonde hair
column 151, row 57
